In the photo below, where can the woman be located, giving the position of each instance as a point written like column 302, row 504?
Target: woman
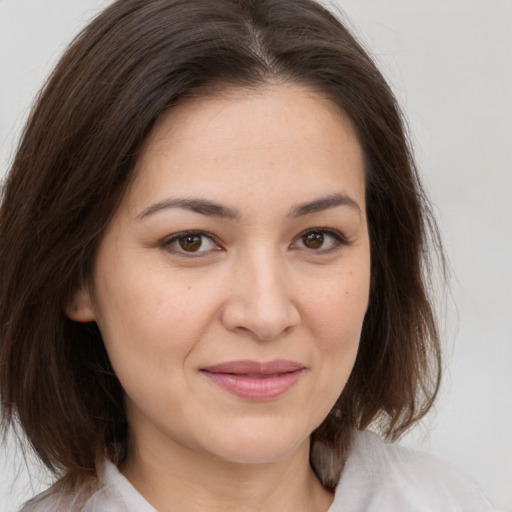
column 213, row 245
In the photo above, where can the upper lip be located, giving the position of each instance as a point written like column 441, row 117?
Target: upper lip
column 247, row 366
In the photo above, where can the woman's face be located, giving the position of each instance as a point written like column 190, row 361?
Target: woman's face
column 231, row 285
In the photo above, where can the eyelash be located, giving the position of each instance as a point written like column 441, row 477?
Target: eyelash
column 168, row 243
column 338, row 238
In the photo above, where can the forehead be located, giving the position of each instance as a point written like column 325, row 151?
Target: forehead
column 279, row 137
column 298, row 108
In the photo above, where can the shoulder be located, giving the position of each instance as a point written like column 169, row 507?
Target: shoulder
column 54, row 500
column 381, row 477
column 60, row 498
column 110, row 492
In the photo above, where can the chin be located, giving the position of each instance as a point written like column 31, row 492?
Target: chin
column 256, row 448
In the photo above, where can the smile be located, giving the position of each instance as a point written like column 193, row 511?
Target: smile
column 255, row 380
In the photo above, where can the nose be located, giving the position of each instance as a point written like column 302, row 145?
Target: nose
column 260, row 302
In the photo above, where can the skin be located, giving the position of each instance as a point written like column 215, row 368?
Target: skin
column 252, row 287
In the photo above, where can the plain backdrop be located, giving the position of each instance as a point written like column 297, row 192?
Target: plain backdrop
column 450, row 64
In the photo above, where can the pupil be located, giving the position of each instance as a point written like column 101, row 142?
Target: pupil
column 190, row 243
column 314, row 240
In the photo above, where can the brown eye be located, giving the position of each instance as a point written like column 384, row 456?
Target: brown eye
column 320, row 241
column 313, row 240
column 190, row 243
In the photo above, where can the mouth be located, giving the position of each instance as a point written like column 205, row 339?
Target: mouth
column 255, row 380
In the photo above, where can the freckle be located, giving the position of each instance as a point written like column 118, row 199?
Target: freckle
column 190, row 287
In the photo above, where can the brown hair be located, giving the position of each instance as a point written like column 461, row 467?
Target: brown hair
column 77, row 156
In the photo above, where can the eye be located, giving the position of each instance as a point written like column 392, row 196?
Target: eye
column 320, row 240
column 190, row 243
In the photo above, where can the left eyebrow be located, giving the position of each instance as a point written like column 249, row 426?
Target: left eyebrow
column 197, row 205
column 324, row 203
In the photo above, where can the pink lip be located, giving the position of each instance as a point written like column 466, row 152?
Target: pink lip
column 253, row 379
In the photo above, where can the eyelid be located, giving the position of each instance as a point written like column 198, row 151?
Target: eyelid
column 166, row 243
column 333, row 233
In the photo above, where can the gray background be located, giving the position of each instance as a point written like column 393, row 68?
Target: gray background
column 450, row 64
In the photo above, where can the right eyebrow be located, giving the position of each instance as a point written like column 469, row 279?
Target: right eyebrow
column 325, row 203
column 201, row 206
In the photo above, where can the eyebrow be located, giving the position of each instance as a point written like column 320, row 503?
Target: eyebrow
column 213, row 209
column 324, row 203
column 202, row 206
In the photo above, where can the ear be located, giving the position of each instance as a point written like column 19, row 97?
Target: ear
column 80, row 307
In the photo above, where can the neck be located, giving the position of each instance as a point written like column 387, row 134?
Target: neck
column 180, row 479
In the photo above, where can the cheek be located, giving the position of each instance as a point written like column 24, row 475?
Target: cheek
column 147, row 336
column 339, row 311
column 337, row 316
column 158, row 318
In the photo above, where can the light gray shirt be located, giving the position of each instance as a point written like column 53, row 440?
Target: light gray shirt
column 377, row 477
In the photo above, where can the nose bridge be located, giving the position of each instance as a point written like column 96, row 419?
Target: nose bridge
column 262, row 303
column 266, row 275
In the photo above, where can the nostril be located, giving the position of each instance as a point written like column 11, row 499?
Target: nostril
column 273, row 322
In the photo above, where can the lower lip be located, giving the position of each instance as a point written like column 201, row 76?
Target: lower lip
column 259, row 387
